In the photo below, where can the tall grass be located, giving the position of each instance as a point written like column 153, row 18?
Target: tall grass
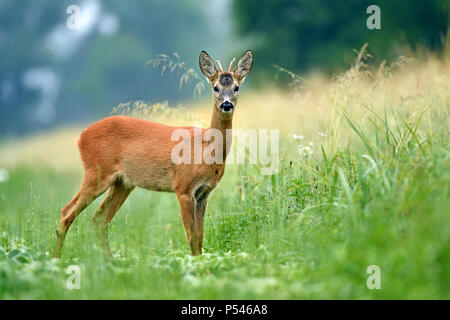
column 364, row 180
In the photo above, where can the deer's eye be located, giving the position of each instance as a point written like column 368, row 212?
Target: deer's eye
column 236, row 89
column 216, row 89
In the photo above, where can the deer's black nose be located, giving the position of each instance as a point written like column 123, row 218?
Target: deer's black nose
column 227, row 106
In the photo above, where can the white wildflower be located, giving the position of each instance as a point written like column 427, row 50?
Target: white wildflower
column 304, row 151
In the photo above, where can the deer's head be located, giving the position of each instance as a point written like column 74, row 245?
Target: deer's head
column 226, row 84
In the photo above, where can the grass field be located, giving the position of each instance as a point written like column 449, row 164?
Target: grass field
column 364, row 180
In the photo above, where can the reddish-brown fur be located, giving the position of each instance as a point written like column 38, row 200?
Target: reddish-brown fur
column 120, row 153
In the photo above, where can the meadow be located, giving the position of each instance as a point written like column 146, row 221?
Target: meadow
column 363, row 180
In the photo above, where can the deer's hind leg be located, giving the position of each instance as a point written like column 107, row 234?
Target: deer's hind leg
column 91, row 188
column 116, row 196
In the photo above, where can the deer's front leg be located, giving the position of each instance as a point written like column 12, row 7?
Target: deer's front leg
column 192, row 214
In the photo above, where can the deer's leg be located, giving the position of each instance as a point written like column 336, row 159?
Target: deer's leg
column 192, row 214
column 116, row 196
column 187, row 205
column 199, row 218
column 90, row 189
column 200, row 198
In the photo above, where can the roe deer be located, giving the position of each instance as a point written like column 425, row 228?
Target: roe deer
column 120, row 153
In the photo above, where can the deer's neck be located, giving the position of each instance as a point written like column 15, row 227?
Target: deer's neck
column 223, row 122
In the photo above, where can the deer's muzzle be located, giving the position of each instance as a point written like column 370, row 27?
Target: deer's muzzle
column 226, row 107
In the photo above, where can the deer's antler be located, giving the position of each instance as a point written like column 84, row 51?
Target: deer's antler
column 220, row 65
column 231, row 64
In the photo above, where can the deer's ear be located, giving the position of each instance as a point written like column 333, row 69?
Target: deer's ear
column 207, row 65
column 244, row 65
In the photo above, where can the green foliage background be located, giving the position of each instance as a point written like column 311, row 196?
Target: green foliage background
column 305, row 34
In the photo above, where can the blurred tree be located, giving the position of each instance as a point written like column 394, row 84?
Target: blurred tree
column 23, row 27
column 50, row 74
column 304, row 34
